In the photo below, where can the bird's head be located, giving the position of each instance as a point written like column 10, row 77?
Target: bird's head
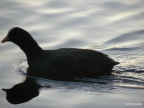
column 17, row 36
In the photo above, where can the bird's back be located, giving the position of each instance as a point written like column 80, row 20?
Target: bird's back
column 76, row 56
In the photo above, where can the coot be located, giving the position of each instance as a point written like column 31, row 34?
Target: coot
column 60, row 63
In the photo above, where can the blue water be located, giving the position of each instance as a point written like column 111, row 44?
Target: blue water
column 115, row 28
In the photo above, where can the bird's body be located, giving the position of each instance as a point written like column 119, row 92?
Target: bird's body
column 70, row 62
column 60, row 63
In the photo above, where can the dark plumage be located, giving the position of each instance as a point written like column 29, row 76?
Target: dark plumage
column 60, row 63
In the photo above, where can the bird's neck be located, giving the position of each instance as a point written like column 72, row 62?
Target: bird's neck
column 31, row 49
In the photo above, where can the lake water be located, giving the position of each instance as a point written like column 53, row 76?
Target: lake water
column 114, row 27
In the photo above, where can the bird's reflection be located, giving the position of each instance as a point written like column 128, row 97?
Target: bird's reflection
column 29, row 89
column 23, row 92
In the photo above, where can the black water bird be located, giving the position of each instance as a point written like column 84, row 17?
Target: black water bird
column 60, row 63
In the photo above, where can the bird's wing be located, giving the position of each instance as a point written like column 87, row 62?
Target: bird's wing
column 69, row 57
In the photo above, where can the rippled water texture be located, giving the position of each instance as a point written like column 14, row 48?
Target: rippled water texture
column 114, row 27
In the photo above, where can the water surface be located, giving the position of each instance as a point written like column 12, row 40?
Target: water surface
column 115, row 28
